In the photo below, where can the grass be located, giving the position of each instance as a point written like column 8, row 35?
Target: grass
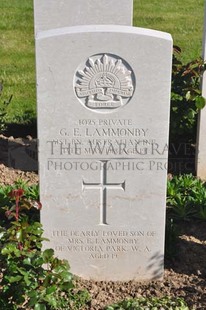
column 183, row 19
column 17, row 65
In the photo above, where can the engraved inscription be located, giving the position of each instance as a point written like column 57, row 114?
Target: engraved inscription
column 104, row 83
column 103, row 185
column 102, row 244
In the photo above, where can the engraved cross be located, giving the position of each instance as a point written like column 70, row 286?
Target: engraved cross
column 103, row 186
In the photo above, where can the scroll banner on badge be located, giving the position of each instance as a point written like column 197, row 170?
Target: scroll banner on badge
column 104, row 104
column 109, row 91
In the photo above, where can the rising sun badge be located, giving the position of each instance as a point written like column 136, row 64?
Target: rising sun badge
column 104, row 83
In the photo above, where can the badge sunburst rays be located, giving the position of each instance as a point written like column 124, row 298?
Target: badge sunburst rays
column 107, row 67
column 104, row 82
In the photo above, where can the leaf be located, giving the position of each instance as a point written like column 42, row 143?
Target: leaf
column 19, row 235
column 51, row 289
column 33, row 294
column 40, row 307
column 47, row 254
column 32, row 301
column 59, row 269
column 27, row 261
column 66, row 276
column 26, row 279
column 188, row 95
column 200, row 102
column 191, row 114
column 22, row 271
column 52, row 301
column 9, row 248
column 14, row 279
column 2, row 234
column 67, row 286
column 38, row 261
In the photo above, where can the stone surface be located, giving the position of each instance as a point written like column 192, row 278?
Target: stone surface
column 19, row 153
column 23, row 154
column 51, row 14
column 103, row 119
column 201, row 135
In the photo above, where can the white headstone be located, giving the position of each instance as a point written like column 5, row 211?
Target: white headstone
column 201, row 130
column 103, row 121
column 51, row 14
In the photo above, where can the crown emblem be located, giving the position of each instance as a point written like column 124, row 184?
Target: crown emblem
column 104, row 83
